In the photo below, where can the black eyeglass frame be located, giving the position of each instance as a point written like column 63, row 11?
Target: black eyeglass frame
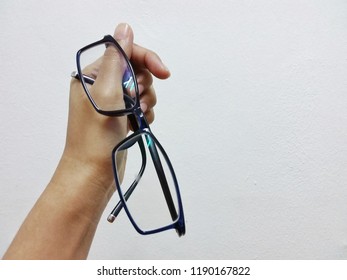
column 178, row 218
column 140, row 126
column 112, row 113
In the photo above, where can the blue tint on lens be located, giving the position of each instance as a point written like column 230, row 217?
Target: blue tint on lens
column 128, row 81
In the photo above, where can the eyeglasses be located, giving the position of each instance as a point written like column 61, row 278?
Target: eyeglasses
column 151, row 199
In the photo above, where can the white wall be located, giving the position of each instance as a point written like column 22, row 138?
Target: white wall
column 254, row 119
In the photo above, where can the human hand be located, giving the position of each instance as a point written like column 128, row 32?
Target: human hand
column 63, row 221
column 92, row 136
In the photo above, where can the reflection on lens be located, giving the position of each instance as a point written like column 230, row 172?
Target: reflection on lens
column 148, row 186
column 129, row 83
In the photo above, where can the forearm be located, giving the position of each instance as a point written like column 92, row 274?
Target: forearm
column 70, row 209
column 63, row 222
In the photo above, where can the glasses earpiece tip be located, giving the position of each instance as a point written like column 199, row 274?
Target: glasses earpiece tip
column 111, row 218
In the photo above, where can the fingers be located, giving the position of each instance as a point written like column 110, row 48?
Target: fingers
column 144, row 80
column 148, row 97
column 147, row 62
column 144, row 58
column 149, row 116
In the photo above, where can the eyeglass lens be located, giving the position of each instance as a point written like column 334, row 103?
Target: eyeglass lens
column 115, row 64
column 147, row 203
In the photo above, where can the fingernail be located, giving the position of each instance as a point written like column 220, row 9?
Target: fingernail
column 143, row 107
column 141, row 88
column 122, row 31
column 163, row 66
column 166, row 68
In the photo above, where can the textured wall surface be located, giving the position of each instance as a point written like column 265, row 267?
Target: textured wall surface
column 254, row 119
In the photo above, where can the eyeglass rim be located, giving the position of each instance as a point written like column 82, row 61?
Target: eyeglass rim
column 112, row 113
column 179, row 223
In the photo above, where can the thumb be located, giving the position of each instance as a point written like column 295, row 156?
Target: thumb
column 124, row 36
column 108, row 85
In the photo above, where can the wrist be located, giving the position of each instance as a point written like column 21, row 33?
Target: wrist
column 86, row 187
column 63, row 221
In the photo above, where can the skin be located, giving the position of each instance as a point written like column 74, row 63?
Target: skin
column 62, row 223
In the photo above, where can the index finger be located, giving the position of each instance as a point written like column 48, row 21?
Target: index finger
column 145, row 58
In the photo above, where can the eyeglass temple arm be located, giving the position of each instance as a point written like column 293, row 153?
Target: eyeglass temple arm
column 135, row 127
column 119, row 206
column 159, row 169
column 162, row 178
column 88, row 79
column 158, row 166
